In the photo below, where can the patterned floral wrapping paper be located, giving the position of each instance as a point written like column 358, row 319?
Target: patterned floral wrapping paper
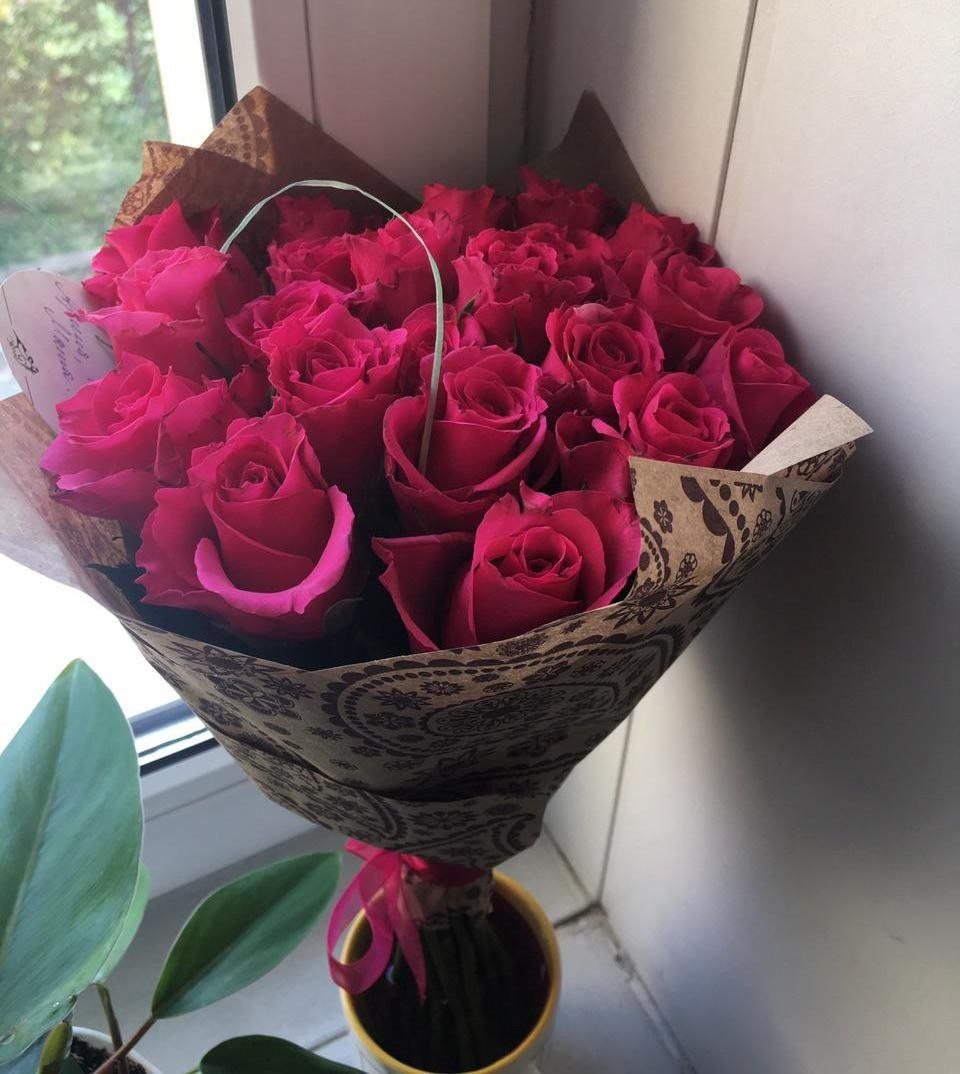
column 452, row 755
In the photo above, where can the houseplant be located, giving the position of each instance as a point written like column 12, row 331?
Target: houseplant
column 73, row 893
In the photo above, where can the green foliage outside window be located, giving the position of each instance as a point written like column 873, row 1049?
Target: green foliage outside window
column 79, row 94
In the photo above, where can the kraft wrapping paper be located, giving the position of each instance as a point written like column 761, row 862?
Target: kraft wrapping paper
column 452, row 755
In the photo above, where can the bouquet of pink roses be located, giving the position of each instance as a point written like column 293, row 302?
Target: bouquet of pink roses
column 415, row 507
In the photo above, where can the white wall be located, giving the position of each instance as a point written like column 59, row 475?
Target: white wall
column 667, row 74
column 785, row 867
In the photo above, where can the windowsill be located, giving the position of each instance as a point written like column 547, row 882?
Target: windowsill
column 604, row 1024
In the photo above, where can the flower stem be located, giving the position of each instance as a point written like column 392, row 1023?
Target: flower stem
column 122, row 1052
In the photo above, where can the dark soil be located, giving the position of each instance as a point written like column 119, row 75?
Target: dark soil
column 89, row 1057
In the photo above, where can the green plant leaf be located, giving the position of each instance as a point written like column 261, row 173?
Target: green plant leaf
column 27, row 1062
column 72, row 832
column 267, row 1055
column 131, row 923
column 56, row 1048
column 243, row 930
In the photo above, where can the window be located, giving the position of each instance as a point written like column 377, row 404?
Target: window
column 82, row 84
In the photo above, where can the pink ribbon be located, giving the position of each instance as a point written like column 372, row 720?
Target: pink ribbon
column 378, row 891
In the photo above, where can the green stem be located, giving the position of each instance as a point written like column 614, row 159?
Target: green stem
column 464, row 935
column 434, row 943
column 113, row 1025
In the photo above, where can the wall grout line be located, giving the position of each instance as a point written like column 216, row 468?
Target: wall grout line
column 306, row 35
column 734, row 118
column 608, row 843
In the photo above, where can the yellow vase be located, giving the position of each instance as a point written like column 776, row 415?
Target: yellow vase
column 523, row 1058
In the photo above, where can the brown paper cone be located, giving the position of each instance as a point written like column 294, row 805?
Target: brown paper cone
column 452, row 755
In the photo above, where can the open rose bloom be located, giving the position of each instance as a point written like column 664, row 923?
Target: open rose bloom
column 413, row 651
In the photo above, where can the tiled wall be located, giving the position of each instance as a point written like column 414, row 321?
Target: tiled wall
column 785, row 861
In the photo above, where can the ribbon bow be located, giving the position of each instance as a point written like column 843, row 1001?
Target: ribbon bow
column 378, row 890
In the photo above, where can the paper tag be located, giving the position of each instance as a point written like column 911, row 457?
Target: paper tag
column 50, row 354
column 828, row 424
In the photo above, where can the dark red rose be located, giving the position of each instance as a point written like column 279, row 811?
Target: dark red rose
column 646, row 236
column 512, row 279
column 748, row 375
column 113, row 449
column 591, row 459
column 256, row 539
column 470, row 210
column 592, row 347
column 172, row 308
column 300, row 301
column 392, row 271
column 524, row 567
column 694, row 304
column 338, row 377
column 548, row 201
column 323, row 260
column 309, row 216
column 672, row 418
column 488, row 430
column 459, row 330
column 125, row 245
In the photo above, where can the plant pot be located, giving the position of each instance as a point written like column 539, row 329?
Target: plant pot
column 102, row 1043
column 523, row 1058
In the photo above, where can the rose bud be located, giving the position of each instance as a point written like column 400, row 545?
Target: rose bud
column 470, row 210
column 301, row 301
column 672, row 418
column 392, row 271
column 318, row 259
column 511, row 280
column 524, row 567
column 488, row 429
column 309, row 216
column 647, row 236
column 112, row 449
column 593, row 346
column 173, row 306
column 459, row 330
column 747, row 373
column 548, row 201
column 693, row 305
column 125, row 245
column 256, row 540
column 338, row 377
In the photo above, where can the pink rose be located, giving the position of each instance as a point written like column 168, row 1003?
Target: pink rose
column 512, row 279
column 309, row 216
column 256, row 539
column 748, row 375
column 459, row 330
column 300, row 301
column 470, row 210
column 646, row 236
column 548, row 201
column 590, row 458
column 166, row 230
column 524, row 567
column 338, row 377
column 123, row 434
column 172, row 308
column 392, row 271
column 593, row 346
column 488, row 430
column 694, row 304
column 672, row 418
column 318, row 259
